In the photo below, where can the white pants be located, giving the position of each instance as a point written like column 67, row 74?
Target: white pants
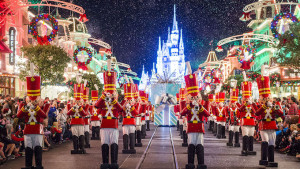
column 138, row 123
column 195, row 138
column 127, row 129
column 95, row 123
column 143, row 122
column 222, row 123
column 268, row 136
column 234, row 128
column 33, row 140
column 86, row 128
column 109, row 135
column 248, row 130
column 77, row 130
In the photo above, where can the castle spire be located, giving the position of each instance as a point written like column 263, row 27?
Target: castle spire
column 159, row 44
column 169, row 34
column 181, row 47
column 175, row 25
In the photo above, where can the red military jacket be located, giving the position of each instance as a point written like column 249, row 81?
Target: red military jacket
column 142, row 109
column 177, row 110
column 94, row 113
column 88, row 114
column 233, row 116
column 129, row 116
column 267, row 117
column 194, row 123
column 148, row 108
column 247, row 115
column 109, row 112
column 182, row 105
column 221, row 114
column 77, row 116
column 33, row 119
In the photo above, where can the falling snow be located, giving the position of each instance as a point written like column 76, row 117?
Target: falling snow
column 133, row 27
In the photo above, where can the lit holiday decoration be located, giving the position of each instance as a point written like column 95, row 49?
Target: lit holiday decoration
column 246, row 55
column 43, row 39
column 82, row 64
column 279, row 17
column 217, row 75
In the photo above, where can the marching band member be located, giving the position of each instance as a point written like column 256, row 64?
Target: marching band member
column 211, row 117
column 221, row 116
column 233, row 117
column 34, row 116
column 95, row 116
column 77, row 123
column 87, row 117
column 110, row 108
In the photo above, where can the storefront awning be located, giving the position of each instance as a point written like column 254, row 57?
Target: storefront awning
column 4, row 48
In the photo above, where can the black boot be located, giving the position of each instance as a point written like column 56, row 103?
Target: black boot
column 87, row 139
column 191, row 157
column 250, row 146
column 98, row 133
column 264, row 153
column 81, row 145
column 219, row 131
column 28, row 158
column 215, row 129
column 125, row 144
column 132, row 143
column 177, row 125
column 75, row 145
column 230, row 139
column 184, row 144
column 93, row 133
column 245, row 146
column 237, row 139
column 143, row 132
column 139, row 138
column 114, row 156
column 181, row 131
column 210, row 126
column 148, row 125
column 223, row 131
column 200, row 156
column 271, row 162
column 38, row 150
column 105, row 156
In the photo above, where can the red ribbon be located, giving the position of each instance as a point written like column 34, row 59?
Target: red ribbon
column 43, row 40
column 246, row 65
column 81, row 65
column 83, row 18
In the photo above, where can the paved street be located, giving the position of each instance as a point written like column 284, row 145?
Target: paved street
column 158, row 155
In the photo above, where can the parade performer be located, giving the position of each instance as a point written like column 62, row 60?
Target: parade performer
column 221, row 111
column 86, row 118
column 148, row 112
column 211, row 117
column 181, row 107
column 96, row 116
column 177, row 111
column 110, row 108
column 182, row 103
column 138, row 120
column 129, row 114
column 34, row 116
column 247, row 116
column 77, row 122
column 142, row 112
column 233, row 118
column 194, row 112
column 214, row 112
column 267, row 124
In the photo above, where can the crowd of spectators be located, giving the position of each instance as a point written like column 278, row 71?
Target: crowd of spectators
column 57, row 127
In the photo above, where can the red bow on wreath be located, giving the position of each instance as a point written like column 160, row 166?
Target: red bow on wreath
column 246, row 65
column 108, row 51
column 245, row 16
column 43, row 40
column 81, row 65
column 219, row 49
column 83, row 18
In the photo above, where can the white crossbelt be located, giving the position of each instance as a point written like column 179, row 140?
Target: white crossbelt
column 233, row 110
column 248, row 110
column 268, row 114
column 220, row 112
column 109, row 110
column 32, row 118
column 128, row 112
column 195, row 116
column 95, row 112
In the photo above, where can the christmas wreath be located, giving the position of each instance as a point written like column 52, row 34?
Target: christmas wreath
column 217, row 79
column 82, row 65
column 251, row 49
column 208, row 78
column 277, row 18
column 43, row 40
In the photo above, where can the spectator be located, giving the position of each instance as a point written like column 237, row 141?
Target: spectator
column 293, row 110
column 56, row 133
column 62, row 118
column 52, row 114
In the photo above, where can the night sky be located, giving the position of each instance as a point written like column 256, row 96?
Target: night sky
column 132, row 27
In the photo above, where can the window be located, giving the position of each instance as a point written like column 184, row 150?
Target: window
column 12, row 45
column 269, row 12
